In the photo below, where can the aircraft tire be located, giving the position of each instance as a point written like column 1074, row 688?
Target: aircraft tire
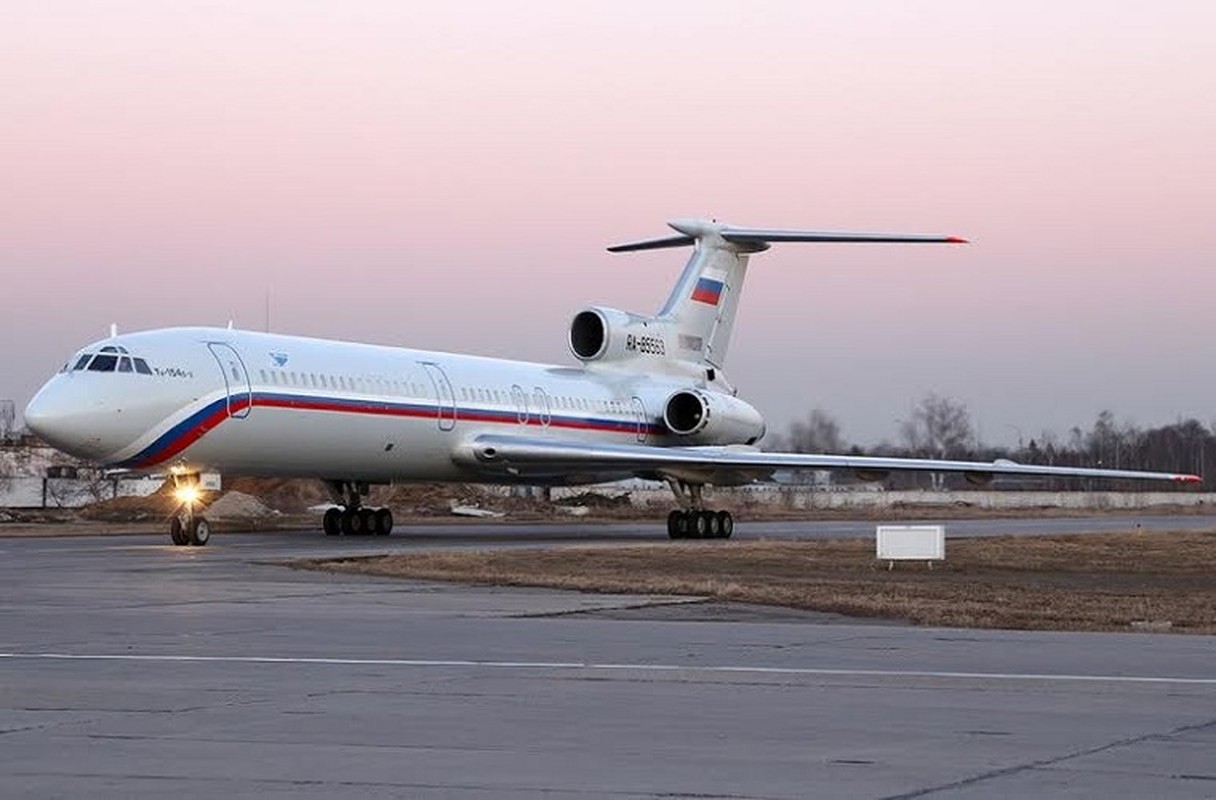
column 200, row 532
column 698, row 525
column 383, row 522
column 332, row 522
column 349, row 522
column 713, row 525
column 177, row 533
column 726, row 524
column 367, row 520
column 673, row 524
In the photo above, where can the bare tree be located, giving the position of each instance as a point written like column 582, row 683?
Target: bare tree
column 939, row 427
column 818, row 433
column 8, row 416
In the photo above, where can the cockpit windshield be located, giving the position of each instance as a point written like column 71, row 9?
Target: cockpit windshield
column 112, row 358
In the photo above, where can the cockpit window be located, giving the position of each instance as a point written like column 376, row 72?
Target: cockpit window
column 103, row 363
column 111, row 358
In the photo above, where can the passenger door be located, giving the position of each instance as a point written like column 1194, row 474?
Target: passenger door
column 446, row 410
column 236, row 379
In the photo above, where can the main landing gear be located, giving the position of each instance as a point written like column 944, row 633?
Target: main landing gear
column 694, row 521
column 353, row 519
column 186, row 527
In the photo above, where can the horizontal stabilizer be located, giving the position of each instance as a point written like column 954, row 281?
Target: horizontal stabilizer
column 652, row 244
column 761, row 238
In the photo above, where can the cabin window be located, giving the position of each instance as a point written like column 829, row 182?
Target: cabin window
column 141, row 366
column 124, row 364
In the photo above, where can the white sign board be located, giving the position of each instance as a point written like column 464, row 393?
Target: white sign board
column 911, row 542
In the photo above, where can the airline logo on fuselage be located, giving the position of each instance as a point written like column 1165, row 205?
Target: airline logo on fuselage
column 279, row 359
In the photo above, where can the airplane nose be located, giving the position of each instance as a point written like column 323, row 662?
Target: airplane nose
column 42, row 417
column 69, row 426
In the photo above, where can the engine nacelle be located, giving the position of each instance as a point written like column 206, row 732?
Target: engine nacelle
column 606, row 334
column 704, row 417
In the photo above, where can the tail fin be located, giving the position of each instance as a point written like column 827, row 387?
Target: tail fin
column 703, row 302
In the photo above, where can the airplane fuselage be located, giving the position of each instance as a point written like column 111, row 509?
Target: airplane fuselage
column 266, row 404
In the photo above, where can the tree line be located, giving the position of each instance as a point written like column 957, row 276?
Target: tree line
column 942, row 427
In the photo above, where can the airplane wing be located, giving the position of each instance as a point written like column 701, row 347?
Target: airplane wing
column 550, row 458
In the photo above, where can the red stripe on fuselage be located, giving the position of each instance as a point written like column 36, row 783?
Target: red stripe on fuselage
column 241, row 402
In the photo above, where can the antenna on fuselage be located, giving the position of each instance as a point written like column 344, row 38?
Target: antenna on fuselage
column 113, row 329
column 268, row 309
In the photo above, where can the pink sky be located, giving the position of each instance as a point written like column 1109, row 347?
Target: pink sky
column 448, row 177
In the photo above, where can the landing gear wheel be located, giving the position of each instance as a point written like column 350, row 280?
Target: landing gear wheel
column 674, row 521
column 349, row 522
column 698, row 525
column 726, row 524
column 383, row 522
column 367, row 519
column 177, row 532
column 200, row 531
column 713, row 525
column 332, row 522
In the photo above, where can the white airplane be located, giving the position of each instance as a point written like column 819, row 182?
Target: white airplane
column 648, row 398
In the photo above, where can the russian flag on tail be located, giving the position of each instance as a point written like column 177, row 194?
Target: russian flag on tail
column 707, row 291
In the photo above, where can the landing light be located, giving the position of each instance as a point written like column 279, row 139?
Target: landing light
column 187, row 494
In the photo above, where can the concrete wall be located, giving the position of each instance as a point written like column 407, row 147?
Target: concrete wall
column 28, row 492
column 646, row 493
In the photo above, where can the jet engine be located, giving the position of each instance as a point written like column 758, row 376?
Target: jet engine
column 606, row 334
column 704, row 417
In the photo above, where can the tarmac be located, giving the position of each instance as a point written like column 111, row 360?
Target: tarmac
column 131, row 668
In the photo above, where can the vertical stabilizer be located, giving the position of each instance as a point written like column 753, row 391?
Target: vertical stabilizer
column 703, row 303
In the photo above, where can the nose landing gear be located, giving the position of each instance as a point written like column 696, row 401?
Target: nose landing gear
column 352, row 519
column 187, row 526
column 694, row 521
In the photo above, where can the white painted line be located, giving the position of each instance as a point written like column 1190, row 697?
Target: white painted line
column 608, row 667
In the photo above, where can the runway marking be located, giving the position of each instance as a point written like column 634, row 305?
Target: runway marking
column 609, row 667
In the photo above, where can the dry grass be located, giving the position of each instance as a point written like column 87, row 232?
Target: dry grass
column 1096, row 582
